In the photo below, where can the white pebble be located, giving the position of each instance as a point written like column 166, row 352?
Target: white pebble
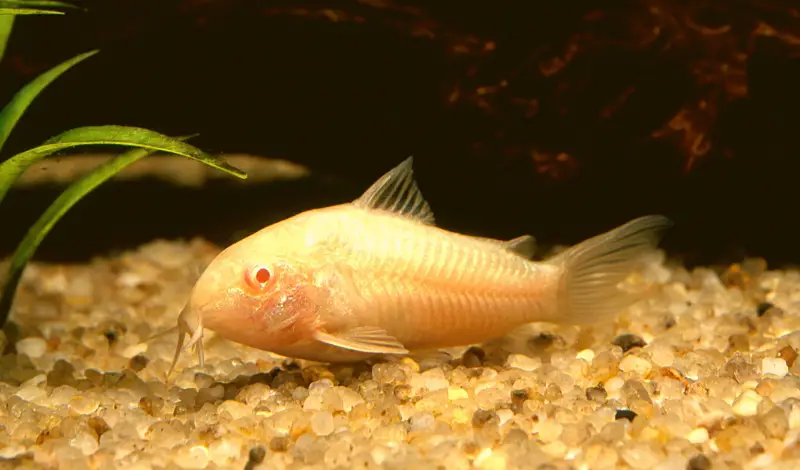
column 484, row 454
column 435, row 379
column 235, row 409
column 32, row 347
column 613, row 386
column 31, row 394
column 12, row 451
column 493, row 461
column 662, row 355
column 313, row 402
column 84, row 442
column 519, row 361
column 431, row 380
column 129, row 279
column 549, row 430
column 505, row 415
column 765, row 460
column 224, row 451
column 747, row 403
column 639, row 456
column 319, row 386
column 587, row 355
column 322, row 423
column 81, row 286
column 196, row 457
column 698, row 436
column 774, row 366
column 636, row 365
column 421, row 422
column 457, row 393
column 60, row 396
column 556, row 450
column 134, row 349
column 83, row 405
column 794, row 418
column 350, row 398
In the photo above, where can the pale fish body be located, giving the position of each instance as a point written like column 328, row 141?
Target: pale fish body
column 376, row 276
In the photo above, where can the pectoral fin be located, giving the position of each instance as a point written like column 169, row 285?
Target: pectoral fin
column 368, row 339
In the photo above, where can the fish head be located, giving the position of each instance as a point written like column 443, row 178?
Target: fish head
column 255, row 297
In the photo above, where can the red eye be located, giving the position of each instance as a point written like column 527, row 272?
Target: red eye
column 258, row 276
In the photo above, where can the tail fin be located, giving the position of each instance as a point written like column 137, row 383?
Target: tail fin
column 591, row 270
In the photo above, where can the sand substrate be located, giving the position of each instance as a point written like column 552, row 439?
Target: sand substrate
column 701, row 375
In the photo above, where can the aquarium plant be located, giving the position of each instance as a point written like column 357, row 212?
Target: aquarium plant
column 143, row 142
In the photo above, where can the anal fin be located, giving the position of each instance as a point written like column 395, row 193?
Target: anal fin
column 367, row 339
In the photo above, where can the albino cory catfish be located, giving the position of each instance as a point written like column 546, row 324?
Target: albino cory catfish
column 375, row 276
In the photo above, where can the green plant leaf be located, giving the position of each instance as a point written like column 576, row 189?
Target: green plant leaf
column 6, row 26
column 14, row 110
column 38, row 231
column 36, row 4
column 33, row 7
column 28, row 11
column 11, row 169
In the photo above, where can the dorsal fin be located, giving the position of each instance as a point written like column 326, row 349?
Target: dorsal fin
column 524, row 245
column 397, row 192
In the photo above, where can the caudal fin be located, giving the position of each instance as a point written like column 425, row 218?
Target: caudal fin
column 591, row 270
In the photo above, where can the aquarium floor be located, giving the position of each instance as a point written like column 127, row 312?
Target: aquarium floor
column 701, row 375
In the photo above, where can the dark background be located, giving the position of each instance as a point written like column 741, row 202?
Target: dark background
column 523, row 117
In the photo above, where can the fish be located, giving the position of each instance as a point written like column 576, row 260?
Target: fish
column 377, row 277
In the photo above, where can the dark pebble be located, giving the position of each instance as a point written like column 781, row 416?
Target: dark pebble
column 562, row 465
column 739, row 342
column 473, row 357
column 110, row 379
column 628, row 342
column 111, row 336
column 470, row 447
column 763, row 307
column 542, row 341
column 256, row 456
column 519, row 396
column 596, row 394
column 264, row 378
column 788, row 354
column 699, row 462
column 98, row 425
column 138, row 362
column 403, row 392
column 63, row 373
column 279, row 444
column 483, row 417
column 625, row 414
column 151, row 405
